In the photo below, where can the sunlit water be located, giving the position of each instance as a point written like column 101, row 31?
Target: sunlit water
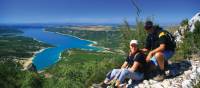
column 50, row 56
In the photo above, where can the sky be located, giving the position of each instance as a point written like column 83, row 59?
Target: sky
column 95, row 11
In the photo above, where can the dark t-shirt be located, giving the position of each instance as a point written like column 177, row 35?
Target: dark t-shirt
column 140, row 57
column 159, row 37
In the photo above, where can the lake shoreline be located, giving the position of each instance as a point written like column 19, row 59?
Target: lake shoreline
column 27, row 61
column 93, row 43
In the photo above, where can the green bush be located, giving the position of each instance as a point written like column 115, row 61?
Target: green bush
column 12, row 76
column 197, row 35
column 184, row 22
column 80, row 69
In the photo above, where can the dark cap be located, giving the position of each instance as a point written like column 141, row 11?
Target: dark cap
column 148, row 25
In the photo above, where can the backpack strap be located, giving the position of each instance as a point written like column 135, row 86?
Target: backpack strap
column 169, row 36
column 161, row 34
column 136, row 55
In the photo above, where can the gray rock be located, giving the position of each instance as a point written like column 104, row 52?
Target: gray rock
column 147, row 86
column 136, row 87
column 170, row 87
column 152, row 81
column 198, row 70
column 194, row 68
column 187, row 84
column 187, row 79
column 192, row 21
column 186, row 73
column 146, row 82
column 157, row 85
column 141, row 85
column 166, row 83
column 177, row 84
column 194, row 76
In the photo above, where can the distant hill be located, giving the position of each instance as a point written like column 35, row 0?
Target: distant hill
column 8, row 31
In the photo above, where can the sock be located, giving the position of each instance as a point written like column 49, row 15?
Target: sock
column 161, row 72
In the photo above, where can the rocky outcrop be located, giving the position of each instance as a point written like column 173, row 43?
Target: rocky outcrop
column 184, row 74
column 193, row 20
column 184, row 78
column 179, row 34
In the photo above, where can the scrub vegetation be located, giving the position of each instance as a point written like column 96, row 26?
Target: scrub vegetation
column 80, row 68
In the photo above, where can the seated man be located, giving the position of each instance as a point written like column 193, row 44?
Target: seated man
column 133, row 67
column 161, row 47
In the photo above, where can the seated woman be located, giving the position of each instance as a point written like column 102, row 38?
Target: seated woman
column 133, row 67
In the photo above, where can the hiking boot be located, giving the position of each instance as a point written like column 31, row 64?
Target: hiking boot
column 159, row 77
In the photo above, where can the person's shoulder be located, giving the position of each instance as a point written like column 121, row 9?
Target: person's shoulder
column 161, row 34
column 140, row 57
column 140, row 54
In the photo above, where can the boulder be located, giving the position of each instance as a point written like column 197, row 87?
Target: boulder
column 166, row 83
column 157, row 85
column 187, row 84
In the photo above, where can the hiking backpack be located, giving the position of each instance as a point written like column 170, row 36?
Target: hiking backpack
column 171, row 39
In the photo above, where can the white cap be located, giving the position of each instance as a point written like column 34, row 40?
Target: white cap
column 134, row 42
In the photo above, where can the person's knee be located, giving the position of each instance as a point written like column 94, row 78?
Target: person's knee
column 125, row 72
column 123, row 75
column 115, row 71
column 159, row 55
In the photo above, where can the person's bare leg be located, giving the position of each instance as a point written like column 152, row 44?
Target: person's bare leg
column 117, row 83
column 160, row 60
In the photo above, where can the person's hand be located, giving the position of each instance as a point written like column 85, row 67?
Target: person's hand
column 131, row 70
column 144, row 50
column 122, row 69
column 149, row 57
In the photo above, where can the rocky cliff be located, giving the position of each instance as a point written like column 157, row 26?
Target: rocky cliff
column 192, row 21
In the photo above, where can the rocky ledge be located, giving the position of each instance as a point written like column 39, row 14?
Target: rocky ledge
column 184, row 74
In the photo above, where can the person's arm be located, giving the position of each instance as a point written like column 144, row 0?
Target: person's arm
column 147, row 45
column 134, row 66
column 162, row 42
column 159, row 49
column 151, row 53
column 125, row 64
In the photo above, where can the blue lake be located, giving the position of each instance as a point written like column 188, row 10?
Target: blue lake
column 50, row 56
